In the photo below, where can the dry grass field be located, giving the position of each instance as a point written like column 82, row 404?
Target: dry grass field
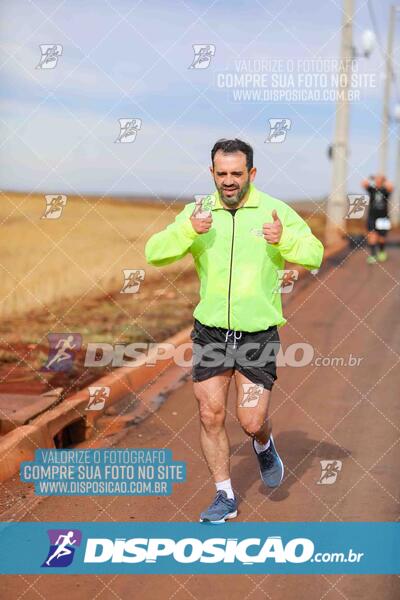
column 82, row 253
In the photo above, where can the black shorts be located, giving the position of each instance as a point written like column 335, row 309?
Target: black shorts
column 253, row 354
column 371, row 225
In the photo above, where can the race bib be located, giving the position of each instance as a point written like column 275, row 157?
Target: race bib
column 383, row 224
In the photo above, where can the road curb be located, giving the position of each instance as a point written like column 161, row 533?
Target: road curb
column 20, row 444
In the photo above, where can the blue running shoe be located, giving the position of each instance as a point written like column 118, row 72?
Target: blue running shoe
column 221, row 509
column 271, row 465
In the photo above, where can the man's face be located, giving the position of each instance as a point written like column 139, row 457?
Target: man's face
column 231, row 177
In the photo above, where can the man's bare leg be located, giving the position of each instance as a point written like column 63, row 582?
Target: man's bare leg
column 211, row 396
column 253, row 415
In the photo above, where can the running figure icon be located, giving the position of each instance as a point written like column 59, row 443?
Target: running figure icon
column 62, row 546
column 62, row 347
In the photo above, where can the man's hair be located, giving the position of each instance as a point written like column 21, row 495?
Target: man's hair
column 230, row 146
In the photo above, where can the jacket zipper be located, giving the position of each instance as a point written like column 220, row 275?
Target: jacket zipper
column 230, row 271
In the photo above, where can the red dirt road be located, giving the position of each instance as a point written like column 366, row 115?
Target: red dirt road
column 345, row 413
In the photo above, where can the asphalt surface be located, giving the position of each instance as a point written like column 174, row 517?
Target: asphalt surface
column 334, row 412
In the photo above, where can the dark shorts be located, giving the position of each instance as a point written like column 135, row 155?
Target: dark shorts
column 371, row 225
column 253, row 354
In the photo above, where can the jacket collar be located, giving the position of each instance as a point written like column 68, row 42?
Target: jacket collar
column 252, row 201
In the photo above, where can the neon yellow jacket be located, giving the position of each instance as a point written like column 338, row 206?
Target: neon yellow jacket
column 237, row 268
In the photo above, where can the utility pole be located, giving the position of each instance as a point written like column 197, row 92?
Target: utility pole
column 394, row 203
column 386, row 97
column 337, row 200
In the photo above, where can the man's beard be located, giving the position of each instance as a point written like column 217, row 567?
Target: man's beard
column 235, row 200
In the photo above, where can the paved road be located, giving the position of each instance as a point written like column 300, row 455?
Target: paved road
column 345, row 413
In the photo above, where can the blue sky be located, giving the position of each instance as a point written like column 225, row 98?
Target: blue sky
column 124, row 59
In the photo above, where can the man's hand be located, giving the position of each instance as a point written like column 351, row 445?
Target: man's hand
column 273, row 231
column 389, row 186
column 365, row 183
column 200, row 224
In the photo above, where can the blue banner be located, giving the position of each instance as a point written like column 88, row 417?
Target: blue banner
column 193, row 548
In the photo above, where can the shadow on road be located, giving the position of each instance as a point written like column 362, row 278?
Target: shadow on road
column 298, row 452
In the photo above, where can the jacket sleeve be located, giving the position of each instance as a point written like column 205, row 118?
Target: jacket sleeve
column 298, row 244
column 173, row 242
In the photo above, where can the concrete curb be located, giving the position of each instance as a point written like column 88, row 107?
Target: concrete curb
column 20, row 444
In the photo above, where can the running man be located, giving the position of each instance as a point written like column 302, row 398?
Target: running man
column 63, row 347
column 238, row 247
column 378, row 224
column 62, row 544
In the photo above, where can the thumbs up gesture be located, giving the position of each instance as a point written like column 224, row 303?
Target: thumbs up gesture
column 201, row 220
column 273, row 231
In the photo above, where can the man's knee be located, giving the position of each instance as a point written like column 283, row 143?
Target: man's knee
column 252, row 424
column 211, row 418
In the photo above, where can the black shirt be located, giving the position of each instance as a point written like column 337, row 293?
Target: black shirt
column 378, row 201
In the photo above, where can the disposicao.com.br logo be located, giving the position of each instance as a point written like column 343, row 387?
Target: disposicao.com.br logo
column 191, row 550
column 203, row 554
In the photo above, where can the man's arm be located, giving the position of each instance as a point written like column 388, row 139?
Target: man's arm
column 175, row 241
column 366, row 184
column 298, row 244
column 389, row 187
